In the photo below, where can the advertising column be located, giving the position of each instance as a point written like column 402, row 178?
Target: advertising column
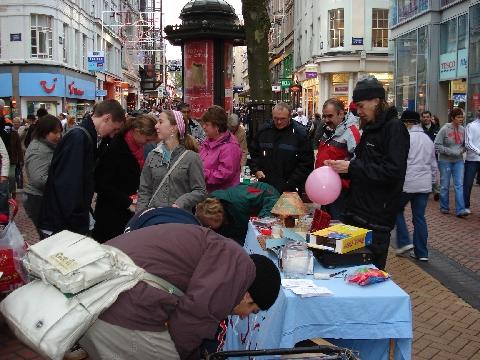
column 198, row 65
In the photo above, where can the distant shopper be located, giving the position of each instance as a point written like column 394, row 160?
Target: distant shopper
column 472, row 161
column 194, row 127
column 450, row 145
column 37, row 163
column 70, row 186
column 69, row 124
column 429, row 125
column 421, row 173
column 237, row 129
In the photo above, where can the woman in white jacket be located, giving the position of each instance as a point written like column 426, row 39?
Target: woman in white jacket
column 420, row 175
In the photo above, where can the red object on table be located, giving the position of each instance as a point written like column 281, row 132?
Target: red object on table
column 321, row 220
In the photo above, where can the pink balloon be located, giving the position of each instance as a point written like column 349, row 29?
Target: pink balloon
column 323, row 185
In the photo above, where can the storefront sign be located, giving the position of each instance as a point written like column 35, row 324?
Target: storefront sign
column 295, row 88
column 6, row 88
column 357, row 41
column 310, row 74
column 237, row 89
column 285, row 83
column 448, row 66
column 96, row 60
column 41, row 84
column 340, row 89
column 462, row 63
column 16, row 37
column 276, row 88
column 79, row 89
column 198, row 66
column 100, row 93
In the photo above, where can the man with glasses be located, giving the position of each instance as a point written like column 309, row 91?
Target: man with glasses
column 281, row 153
column 338, row 142
column 194, row 127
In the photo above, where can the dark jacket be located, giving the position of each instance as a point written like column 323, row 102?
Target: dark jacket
column 432, row 131
column 378, row 170
column 70, row 185
column 242, row 201
column 285, row 156
column 214, row 272
column 117, row 177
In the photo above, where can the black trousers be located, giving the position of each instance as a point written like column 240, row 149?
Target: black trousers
column 380, row 241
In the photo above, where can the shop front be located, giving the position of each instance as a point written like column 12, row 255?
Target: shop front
column 80, row 96
column 473, row 94
column 56, row 93
column 41, row 90
column 6, row 95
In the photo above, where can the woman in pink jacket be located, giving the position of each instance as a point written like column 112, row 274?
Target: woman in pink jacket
column 220, row 152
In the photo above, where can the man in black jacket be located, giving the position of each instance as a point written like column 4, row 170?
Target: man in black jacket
column 281, row 153
column 377, row 171
column 70, row 185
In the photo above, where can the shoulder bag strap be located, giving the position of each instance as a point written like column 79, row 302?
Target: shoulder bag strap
column 166, row 176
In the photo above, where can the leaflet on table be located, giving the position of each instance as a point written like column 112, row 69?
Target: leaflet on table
column 305, row 287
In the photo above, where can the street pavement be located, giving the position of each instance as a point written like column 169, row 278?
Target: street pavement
column 445, row 292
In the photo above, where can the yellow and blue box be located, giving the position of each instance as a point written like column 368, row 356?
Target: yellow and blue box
column 341, row 238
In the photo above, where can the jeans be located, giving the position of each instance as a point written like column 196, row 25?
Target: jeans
column 471, row 170
column 418, row 203
column 447, row 170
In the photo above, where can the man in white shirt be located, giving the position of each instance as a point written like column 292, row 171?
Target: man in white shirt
column 472, row 160
column 301, row 118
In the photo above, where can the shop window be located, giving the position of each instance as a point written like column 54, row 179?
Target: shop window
column 380, row 28
column 337, row 27
column 406, row 71
column 65, row 43
column 473, row 93
column 41, row 35
column 408, row 8
column 448, row 36
column 422, row 57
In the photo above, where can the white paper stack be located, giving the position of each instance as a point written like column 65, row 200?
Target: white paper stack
column 305, row 287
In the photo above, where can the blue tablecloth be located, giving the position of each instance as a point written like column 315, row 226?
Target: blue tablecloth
column 361, row 318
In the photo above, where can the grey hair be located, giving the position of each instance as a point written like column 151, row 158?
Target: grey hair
column 233, row 121
column 2, row 103
column 283, row 106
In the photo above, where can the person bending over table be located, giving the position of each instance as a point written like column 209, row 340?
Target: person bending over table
column 216, row 275
column 228, row 211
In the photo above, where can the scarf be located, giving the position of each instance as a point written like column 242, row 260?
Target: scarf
column 457, row 137
column 137, row 150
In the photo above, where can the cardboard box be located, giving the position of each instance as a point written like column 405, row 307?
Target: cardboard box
column 341, row 238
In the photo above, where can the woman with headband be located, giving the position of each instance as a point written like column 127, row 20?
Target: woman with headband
column 173, row 172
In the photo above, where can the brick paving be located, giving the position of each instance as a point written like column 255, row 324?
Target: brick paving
column 445, row 326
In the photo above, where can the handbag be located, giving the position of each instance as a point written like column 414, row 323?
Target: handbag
column 51, row 322
column 166, row 176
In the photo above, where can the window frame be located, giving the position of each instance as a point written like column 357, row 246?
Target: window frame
column 36, row 31
column 377, row 29
column 336, row 34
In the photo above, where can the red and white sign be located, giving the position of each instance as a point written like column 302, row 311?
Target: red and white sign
column 48, row 88
column 198, row 65
column 74, row 90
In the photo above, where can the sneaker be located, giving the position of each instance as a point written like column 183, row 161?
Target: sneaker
column 75, row 353
column 467, row 210
column 436, row 196
column 404, row 249
column 444, row 211
column 413, row 256
column 463, row 213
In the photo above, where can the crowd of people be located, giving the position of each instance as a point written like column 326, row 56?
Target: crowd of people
column 191, row 168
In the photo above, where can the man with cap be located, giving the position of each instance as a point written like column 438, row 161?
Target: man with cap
column 377, row 171
column 215, row 274
column 419, row 178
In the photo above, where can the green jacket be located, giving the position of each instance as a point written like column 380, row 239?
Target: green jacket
column 240, row 203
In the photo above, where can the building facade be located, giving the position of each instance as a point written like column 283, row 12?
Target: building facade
column 437, row 47
column 336, row 42
column 281, row 48
column 43, row 55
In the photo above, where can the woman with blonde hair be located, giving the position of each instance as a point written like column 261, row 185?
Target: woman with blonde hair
column 173, row 172
column 117, row 176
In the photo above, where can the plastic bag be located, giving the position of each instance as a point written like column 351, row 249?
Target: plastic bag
column 12, row 250
column 367, row 276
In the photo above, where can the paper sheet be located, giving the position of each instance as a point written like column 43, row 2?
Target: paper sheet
column 305, row 287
